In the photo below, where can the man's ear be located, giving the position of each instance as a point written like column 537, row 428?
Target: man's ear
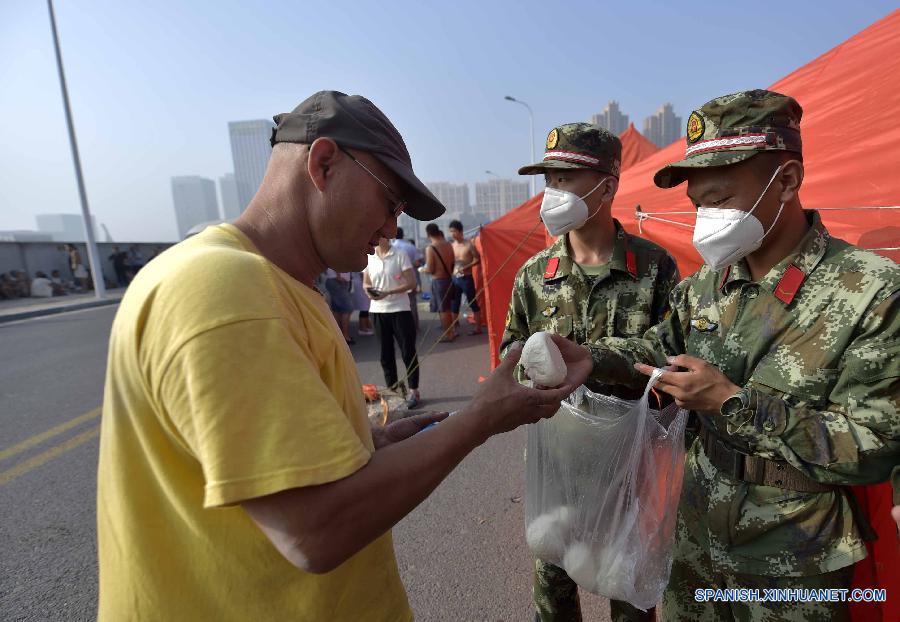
column 323, row 154
column 609, row 189
column 791, row 178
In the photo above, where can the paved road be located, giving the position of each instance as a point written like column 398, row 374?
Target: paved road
column 461, row 553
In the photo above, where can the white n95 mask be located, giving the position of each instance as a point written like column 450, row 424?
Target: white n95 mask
column 723, row 236
column 562, row 211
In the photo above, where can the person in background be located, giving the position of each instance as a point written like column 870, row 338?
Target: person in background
column 438, row 259
column 21, row 283
column 466, row 257
column 56, row 278
column 417, row 259
column 7, row 287
column 337, row 284
column 387, row 279
column 361, row 303
column 43, row 287
column 118, row 258
column 135, row 260
column 79, row 272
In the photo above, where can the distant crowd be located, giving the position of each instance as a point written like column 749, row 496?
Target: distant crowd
column 126, row 264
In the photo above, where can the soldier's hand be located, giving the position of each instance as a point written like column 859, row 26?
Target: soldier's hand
column 502, row 404
column 700, row 386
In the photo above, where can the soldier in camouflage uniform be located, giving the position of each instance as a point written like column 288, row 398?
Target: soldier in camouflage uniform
column 595, row 281
column 790, row 360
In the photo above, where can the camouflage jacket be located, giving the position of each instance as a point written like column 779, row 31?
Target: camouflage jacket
column 820, row 361
column 552, row 293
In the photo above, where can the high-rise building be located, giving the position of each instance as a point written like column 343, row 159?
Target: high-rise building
column 664, row 127
column 455, row 197
column 231, row 204
column 611, row 118
column 64, row 227
column 496, row 197
column 250, row 151
column 195, row 202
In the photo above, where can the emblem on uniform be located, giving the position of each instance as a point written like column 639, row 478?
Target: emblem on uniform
column 704, row 325
column 552, row 138
column 695, row 127
column 549, row 311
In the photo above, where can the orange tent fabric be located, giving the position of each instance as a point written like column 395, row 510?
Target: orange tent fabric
column 505, row 244
column 635, row 147
column 501, row 238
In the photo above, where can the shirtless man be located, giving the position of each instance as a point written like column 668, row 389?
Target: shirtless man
column 467, row 258
column 438, row 259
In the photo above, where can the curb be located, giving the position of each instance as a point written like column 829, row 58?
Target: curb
column 24, row 315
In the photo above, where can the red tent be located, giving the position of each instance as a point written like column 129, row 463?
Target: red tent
column 512, row 239
column 635, row 147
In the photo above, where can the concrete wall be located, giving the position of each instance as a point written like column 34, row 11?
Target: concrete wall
column 49, row 256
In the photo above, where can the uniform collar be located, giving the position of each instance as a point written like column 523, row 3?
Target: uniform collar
column 804, row 258
column 618, row 261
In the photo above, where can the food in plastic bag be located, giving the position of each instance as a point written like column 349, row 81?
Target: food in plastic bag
column 546, row 534
column 612, row 470
column 580, row 564
column 543, row 361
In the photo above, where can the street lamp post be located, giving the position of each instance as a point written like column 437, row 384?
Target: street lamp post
column 530, row 133
column 93, row 255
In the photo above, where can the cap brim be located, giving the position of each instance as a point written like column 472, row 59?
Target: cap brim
column 673, row 174
column 420, row 203
column 539, row 168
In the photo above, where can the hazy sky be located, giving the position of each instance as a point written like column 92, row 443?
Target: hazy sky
column 154, row 84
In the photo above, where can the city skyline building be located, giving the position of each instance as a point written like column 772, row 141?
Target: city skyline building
column 455, row 197
column 64, row 227
column 250, row 152
column 228, row 197
column 611, row 118
column 495, row 197
column 663, row 127
column 195, row 202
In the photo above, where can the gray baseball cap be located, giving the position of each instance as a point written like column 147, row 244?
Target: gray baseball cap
column 353, row 122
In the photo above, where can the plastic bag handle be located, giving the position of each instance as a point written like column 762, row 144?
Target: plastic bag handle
column 654, row 378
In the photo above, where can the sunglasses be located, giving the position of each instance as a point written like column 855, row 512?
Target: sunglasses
column 399, row 204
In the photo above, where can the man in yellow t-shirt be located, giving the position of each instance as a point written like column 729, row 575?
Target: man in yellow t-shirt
column 239, row 478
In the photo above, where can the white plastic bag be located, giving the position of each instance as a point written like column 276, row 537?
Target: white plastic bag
column 603, row 482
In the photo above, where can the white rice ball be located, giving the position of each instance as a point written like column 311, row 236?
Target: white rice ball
column 579, row 564
column 542, row 360
column 544, row 537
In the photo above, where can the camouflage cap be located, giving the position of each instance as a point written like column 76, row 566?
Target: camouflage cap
column 579, row 145
column 734, row 128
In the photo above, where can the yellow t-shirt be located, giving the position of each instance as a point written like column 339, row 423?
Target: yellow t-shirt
column 227, row 380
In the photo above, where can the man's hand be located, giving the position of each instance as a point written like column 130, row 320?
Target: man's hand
column 403, row 429
column 701, row 387
column 502, row 404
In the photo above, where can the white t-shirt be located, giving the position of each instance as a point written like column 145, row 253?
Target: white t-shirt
column 41, row 288
column 410, row 249
column 387, row 273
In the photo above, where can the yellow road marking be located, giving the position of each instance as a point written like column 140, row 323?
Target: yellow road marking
column 43, row 436
column 42, row 458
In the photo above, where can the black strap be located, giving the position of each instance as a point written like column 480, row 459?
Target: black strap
column 441, row 259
